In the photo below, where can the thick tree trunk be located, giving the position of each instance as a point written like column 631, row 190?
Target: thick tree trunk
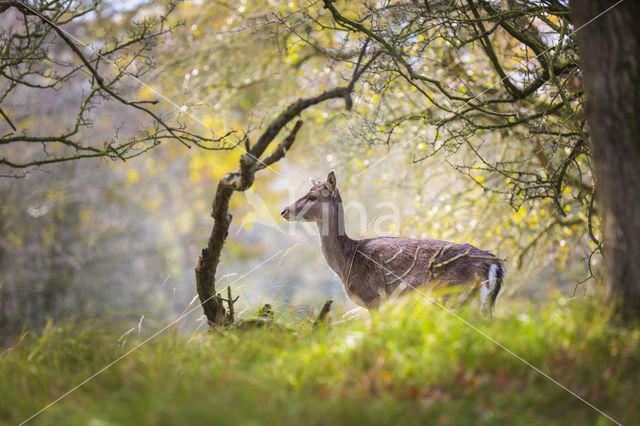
column 610, row 59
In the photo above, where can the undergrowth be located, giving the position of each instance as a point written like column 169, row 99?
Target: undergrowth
column 410, row 363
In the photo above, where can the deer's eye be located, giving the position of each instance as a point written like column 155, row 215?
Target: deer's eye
column 312, row 198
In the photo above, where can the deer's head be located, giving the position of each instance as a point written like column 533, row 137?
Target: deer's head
column 316, row 204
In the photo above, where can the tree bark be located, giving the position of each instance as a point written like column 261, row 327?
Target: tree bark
column 241, row 180
column 610, row 58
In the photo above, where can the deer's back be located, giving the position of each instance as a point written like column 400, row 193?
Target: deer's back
column 382, row 265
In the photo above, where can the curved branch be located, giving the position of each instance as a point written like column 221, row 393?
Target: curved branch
column 241, row 180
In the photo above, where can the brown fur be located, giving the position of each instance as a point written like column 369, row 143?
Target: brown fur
column 373, row 269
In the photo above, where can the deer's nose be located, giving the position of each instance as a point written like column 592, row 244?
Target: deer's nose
column 284, row 212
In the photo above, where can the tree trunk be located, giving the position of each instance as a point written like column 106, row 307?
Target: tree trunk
column 610, row 58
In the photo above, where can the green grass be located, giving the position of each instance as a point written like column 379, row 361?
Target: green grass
column 411, row 363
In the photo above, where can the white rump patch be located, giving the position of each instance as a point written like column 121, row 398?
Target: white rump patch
column 488, row 285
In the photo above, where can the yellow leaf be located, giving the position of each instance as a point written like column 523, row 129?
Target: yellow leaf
column 15, row 240
column 132, row 176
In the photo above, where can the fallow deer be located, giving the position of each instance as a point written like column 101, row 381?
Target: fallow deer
column 373, row 269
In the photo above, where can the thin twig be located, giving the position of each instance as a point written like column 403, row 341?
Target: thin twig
column 322, row 316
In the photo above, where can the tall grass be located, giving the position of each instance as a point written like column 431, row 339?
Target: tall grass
column 410, row 363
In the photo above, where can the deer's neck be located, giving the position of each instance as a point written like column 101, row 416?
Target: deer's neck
column 336, row 245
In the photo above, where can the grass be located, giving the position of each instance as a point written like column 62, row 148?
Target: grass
column 411, row 363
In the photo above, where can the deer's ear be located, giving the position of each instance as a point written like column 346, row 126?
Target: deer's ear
column 332, row 181
column 313, row 181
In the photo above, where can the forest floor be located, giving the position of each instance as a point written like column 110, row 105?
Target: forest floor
column 410, row 363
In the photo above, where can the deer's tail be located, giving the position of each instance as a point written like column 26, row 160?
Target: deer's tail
column 496, row 276
column 491, row 287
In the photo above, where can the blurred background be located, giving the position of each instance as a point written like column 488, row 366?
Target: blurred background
column 119, row 240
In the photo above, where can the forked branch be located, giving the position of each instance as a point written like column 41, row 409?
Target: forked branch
column 241, row 180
